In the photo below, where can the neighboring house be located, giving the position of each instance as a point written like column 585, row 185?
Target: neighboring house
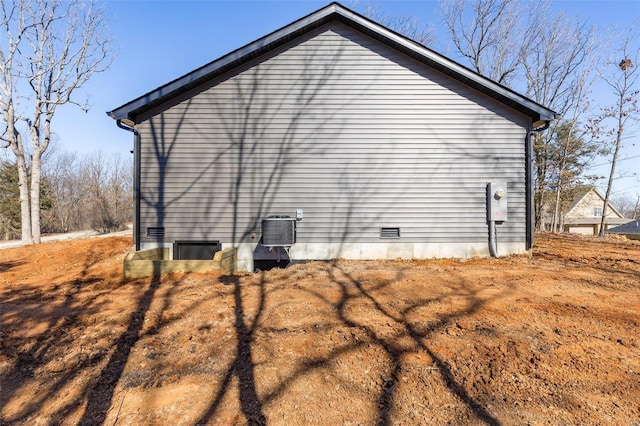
column 630, row 230
column 584, row 214
column 382, row 147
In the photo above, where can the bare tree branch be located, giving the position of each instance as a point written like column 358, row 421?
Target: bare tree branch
column 408, row 26
column 611, row 125
column 53, row 48
column 487, row 37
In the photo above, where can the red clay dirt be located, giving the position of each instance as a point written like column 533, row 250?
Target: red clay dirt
column 548, row 339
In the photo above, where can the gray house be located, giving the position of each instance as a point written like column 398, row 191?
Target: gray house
column 375, row 147
column 631, row 230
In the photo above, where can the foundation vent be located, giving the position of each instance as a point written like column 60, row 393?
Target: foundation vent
column 389, row 232
column 157, row 232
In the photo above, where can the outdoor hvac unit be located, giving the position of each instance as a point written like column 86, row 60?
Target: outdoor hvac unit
column 278, row 231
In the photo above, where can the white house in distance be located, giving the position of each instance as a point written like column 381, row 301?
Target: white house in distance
column 584, row 214
column 373, row 145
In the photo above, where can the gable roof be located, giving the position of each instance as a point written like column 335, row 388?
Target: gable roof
column 582, row 193
column 334, row 11
column 632, row 227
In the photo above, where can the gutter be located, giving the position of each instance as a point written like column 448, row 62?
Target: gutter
column 120, row 123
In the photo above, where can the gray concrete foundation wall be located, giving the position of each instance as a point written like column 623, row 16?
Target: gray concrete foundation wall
column 381, row 250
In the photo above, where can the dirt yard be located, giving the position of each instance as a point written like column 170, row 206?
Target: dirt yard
column 552, row 339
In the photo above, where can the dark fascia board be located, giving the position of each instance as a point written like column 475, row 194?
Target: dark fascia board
column 154, row 98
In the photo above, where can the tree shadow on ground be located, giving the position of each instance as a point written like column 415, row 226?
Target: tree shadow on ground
column 419, row 335
column 242, row 366
column 6, row 266
column 353, row 290
column 63, row 315
column 100, row 393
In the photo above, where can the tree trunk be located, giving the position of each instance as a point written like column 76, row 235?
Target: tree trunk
column 614, row 160
column 35, row 195
column 23, row 183
column 603, row 221
column 541, row 173
column 25, row 210
column 559, row 187
column 556, row 211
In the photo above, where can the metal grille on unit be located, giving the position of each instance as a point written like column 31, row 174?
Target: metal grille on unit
column 278, row 231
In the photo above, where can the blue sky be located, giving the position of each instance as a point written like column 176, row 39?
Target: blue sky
column 158, row 41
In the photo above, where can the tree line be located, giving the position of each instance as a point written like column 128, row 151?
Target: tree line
column 94, row 192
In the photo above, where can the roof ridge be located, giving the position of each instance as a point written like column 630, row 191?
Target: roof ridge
column 189, row 81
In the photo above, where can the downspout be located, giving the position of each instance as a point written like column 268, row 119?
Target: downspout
column 529, row 183
column 136, row 182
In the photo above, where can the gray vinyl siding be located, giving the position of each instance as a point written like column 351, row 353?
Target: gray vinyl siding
column 352, row 132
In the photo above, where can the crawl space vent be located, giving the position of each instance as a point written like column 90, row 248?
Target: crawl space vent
column 389, row 232
column 155, row 232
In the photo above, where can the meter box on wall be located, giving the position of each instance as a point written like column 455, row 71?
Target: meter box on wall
column 497, row 201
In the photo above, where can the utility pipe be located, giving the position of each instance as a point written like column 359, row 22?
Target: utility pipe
column 529, row 187
column 493, row 248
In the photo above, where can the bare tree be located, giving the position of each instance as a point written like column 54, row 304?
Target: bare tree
column 551, row 57
column 627, row 206
column 571, row 147
column 50, row 49
column 612, row 125
column 408, row 26
column 95, row 192
column 488, row 36
column 109, row 192
column 558, row 58
column 68, row 192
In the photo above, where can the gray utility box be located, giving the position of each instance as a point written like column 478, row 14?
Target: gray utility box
column 497, row 201
column 278, row 231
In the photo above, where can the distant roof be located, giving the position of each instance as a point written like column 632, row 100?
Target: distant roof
column 580, row 193
column 632, row 227
column 334, row 11
column 583, row 191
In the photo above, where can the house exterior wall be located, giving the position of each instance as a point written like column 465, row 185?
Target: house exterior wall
column 582, row 218
column 585, row 208
column 589, row 229
column 353, row 133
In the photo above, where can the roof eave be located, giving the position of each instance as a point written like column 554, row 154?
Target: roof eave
column 203, row 73
column 442, row 63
